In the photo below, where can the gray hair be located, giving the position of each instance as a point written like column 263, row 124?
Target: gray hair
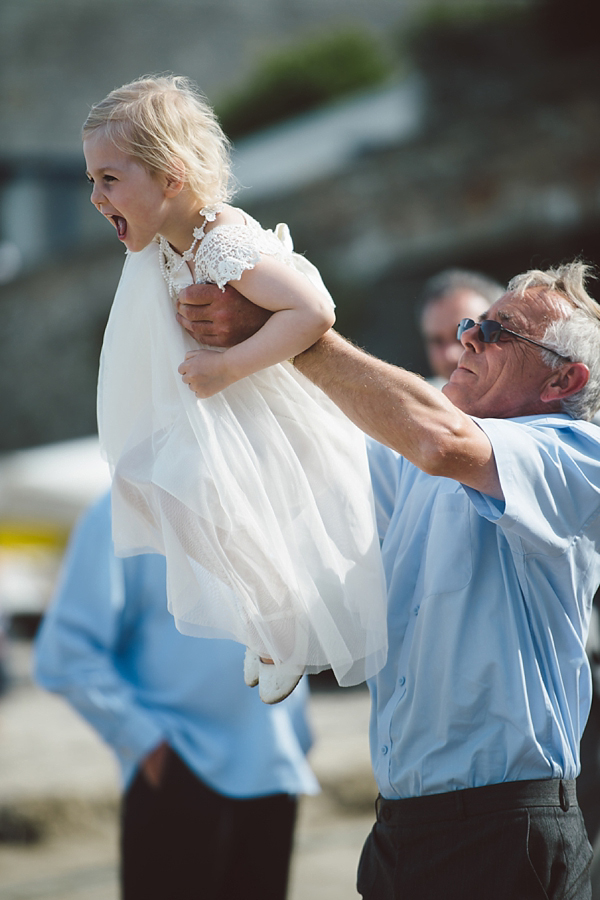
column 575, row 335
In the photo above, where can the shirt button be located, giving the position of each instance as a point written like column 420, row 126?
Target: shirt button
column 384, row 750
column 402, row 681
column 416, row 610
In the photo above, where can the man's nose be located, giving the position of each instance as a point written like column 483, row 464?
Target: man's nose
column 470, row 338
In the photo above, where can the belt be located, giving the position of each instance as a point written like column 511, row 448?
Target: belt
column 477, row 801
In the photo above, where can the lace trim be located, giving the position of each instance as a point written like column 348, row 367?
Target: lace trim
column 225, row 252
column 171, row 262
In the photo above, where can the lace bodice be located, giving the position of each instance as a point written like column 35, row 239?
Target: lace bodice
column 225, row 252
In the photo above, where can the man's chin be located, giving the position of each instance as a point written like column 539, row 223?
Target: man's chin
column 448, row 391
column 455, row 395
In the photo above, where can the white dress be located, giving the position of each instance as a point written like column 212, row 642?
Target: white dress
column 259, row 497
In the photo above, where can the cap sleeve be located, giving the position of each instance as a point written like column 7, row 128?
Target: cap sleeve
column 227, row 251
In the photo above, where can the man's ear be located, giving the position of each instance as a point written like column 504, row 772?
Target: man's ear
column 565, row 381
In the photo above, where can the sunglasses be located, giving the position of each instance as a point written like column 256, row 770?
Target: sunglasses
column 490, row 331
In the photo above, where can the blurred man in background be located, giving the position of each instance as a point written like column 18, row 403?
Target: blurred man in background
column 448, row 297
column 211, row 774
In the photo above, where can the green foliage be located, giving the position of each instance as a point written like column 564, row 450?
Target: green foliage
column 304, row 77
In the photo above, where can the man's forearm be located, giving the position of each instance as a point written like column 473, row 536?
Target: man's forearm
column 397, row 408
column 377, row 397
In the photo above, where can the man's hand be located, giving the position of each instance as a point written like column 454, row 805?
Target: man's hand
column 154, row 764
column 218, row 318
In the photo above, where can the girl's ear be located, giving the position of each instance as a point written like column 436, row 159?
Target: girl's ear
column 175, row 180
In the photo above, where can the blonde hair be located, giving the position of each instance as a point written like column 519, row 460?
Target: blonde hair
column 165, row 123
column 576, row 335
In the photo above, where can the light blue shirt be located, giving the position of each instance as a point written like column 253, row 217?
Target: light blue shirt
column 489, row 602
column 110, row 647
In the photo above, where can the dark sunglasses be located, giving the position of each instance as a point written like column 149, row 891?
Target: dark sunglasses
column 490, row 331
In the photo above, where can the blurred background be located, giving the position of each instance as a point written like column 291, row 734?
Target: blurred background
column 395, row 137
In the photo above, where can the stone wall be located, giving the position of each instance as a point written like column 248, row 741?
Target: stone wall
column 56, row 58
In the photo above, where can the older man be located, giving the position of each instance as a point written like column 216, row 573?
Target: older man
column 488, row 501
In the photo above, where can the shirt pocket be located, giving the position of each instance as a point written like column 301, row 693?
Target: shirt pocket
column 447, row 561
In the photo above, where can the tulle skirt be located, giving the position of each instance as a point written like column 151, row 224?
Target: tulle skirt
column 258, row 497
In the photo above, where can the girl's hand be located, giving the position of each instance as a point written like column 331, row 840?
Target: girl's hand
column 206, row 372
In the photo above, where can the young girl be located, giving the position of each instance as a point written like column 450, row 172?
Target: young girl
column 258, row 494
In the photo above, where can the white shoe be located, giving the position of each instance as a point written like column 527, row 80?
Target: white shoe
column 251, row 668
column 276, row 682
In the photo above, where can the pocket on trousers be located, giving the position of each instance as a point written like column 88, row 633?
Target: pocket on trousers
column 367, row 868
column 377, row 865
column 560, row 853
column 545, row 853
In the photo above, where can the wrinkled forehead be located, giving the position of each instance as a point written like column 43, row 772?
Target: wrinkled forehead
column 530, row 312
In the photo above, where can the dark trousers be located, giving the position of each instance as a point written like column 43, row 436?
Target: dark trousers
column 183, row 841
column 515, row 841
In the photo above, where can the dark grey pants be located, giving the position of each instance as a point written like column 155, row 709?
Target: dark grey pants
column 184, row 841
column 514, row 841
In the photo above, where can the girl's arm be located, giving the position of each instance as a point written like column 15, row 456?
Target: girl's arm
column 301, row 314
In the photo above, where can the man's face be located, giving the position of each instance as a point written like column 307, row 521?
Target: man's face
column 506, row 379
column 438, row 324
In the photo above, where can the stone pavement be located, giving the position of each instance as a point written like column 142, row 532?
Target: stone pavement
column 57, row 774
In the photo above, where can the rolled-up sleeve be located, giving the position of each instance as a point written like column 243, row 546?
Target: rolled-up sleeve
column 549, row 470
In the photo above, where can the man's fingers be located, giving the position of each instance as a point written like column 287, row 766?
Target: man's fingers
column 196, row 294
column 192, row 313
column 199, row 327
column 200, row 295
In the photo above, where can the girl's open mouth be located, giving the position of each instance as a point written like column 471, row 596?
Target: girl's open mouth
column 120, row 225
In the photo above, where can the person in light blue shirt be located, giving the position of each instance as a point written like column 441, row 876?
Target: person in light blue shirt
column 495, row 578
column 488, row 501
column 211, row 774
